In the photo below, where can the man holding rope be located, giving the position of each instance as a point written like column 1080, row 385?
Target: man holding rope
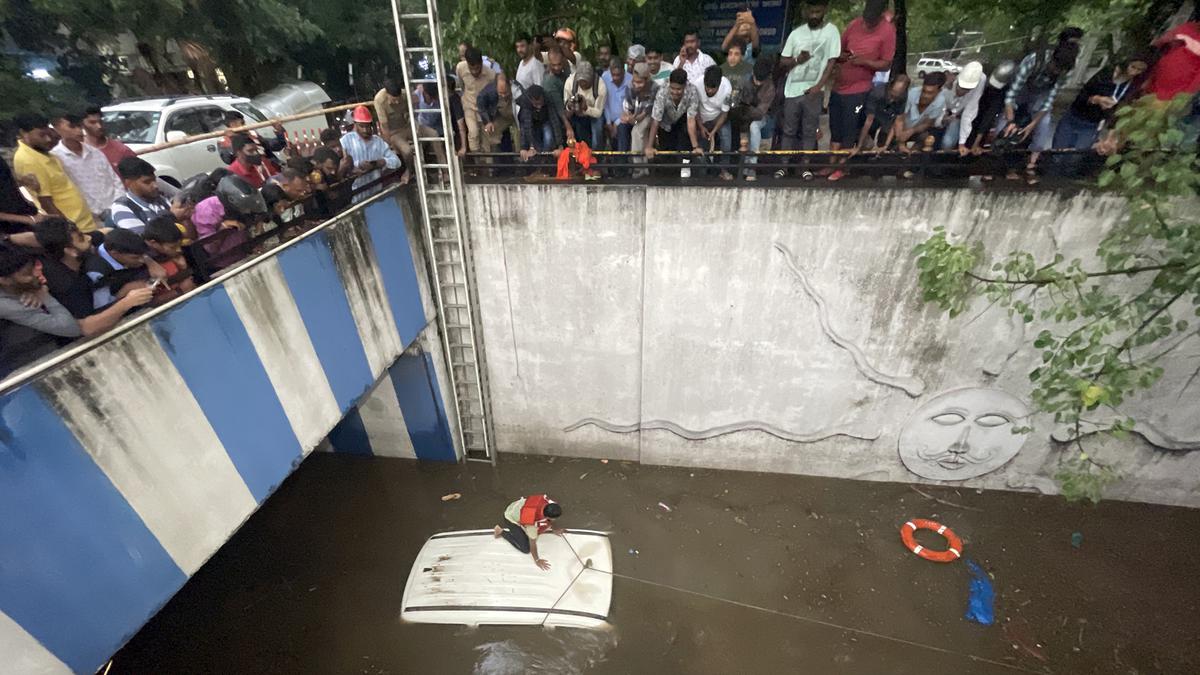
column 525, row 519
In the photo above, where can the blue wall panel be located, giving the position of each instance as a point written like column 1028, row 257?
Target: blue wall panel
column 385, row 224
column 210, row 348
column 79, row 570
column 321, row 298
column 420, row 400
column 350, row 435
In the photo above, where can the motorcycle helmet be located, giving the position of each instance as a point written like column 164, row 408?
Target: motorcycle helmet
column 239, row 198
column 1002, row 74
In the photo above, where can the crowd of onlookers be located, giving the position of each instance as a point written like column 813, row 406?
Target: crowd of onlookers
column 685, row 101
column 89, row 233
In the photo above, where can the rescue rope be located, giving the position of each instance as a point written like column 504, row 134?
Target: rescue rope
column 797, row 617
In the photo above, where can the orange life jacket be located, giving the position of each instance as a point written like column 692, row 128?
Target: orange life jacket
column 532, row 512
column 581, row 153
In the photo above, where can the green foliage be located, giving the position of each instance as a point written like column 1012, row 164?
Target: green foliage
column 493, row 25
column 1080, row 479
column 941, row 269
column 1103, row 328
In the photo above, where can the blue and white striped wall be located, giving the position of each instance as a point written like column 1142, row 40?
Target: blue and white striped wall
column 399, row 416
column 125, row 467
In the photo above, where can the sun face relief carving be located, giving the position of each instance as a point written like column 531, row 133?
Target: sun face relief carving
column 963, row 433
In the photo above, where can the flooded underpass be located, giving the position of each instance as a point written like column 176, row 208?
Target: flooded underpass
column 746, row 573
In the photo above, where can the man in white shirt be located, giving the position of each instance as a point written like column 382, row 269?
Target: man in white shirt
column 715, row 93
column 962, row 107
column 692, row 60
column 530, row 70
column 87, row 166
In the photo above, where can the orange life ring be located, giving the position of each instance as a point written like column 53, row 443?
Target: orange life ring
column 952, row 553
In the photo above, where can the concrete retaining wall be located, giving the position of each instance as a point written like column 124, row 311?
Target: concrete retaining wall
column 124, row 468
column 782, row 330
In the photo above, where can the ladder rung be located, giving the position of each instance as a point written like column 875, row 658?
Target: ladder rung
column 454, row 305
column 453, row 284
column 462, row 346
column 412, row 16
column 418, row 49
column 427, row 110
column 437, row 191
column 442, row 215
column 458, row 326
column 430, row 139
column 437, row 166
column 445, row 241
column 449, row 262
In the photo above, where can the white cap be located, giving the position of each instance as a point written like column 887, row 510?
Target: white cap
column 971, row 75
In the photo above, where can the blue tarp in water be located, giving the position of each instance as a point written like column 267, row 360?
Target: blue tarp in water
column 979, row 602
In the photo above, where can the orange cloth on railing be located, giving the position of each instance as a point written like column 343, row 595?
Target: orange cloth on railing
column 582, row 154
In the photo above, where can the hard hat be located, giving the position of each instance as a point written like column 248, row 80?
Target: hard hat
column 362, row 114
column 971, row 75
column 1002, row 74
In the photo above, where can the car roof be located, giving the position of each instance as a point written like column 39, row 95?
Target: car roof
column 160, row 102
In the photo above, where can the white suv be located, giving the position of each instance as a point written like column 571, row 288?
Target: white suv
column 141, row 123
column 936, row 66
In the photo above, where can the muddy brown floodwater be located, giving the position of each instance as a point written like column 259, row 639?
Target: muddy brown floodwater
column 312, row 583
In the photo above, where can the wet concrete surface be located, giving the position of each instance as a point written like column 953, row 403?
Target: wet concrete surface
column 312, row 583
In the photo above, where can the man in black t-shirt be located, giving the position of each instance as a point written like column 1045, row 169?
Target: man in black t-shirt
column 17, row 215
column 885, row 103
column 65, row 251
column 1097, row 103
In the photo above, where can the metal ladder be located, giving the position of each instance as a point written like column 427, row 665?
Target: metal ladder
column 440, row 189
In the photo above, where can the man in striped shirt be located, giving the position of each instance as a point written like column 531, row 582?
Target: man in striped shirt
column 368, row 153
column 141, row 201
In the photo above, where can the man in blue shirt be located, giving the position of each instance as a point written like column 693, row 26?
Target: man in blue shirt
column 617, row 83
column 926, row 104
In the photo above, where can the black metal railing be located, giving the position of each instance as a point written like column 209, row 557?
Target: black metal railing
column 1064, row 165
column 224, row 248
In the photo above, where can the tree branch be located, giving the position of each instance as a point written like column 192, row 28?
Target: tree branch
column 1106, row 273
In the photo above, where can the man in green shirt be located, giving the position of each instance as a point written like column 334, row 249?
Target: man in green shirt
column 810, row 53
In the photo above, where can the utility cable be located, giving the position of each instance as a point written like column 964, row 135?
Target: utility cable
column 807, row 619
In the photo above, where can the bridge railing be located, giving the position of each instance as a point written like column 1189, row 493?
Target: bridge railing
column 1071, row 165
